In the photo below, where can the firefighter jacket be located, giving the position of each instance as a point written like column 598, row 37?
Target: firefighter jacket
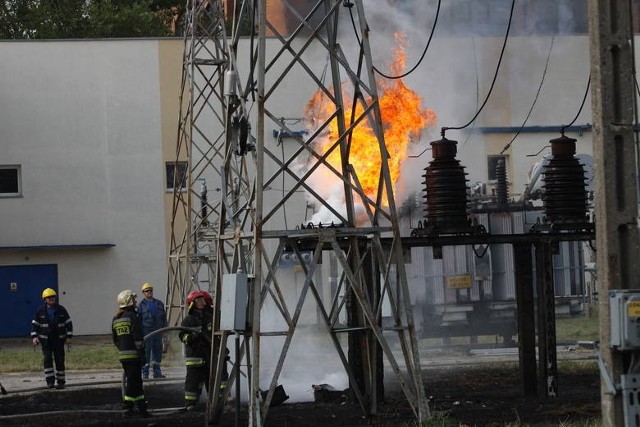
column 59, row 327
column 197, row 344
column 152, row 314
column 126, row 331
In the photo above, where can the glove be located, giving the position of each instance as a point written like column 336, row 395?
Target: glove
column 188, row 339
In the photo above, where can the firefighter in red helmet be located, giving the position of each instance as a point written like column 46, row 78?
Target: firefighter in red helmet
column 198, row 346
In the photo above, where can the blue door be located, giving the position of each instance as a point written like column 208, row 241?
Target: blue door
column 21, row 289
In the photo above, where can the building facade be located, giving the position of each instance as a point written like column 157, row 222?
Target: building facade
column 87, row 142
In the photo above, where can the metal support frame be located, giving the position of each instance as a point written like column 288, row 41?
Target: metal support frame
column 523, row 256
column 240, row 230
column 547, row 353
column 546, row 382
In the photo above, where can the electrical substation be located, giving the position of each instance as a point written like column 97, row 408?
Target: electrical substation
column 271, row 228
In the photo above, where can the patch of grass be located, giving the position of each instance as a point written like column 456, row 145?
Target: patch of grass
column 585, row 367
column 586, row 328
column 86, row 353
column 442, row 420
column 79, row 358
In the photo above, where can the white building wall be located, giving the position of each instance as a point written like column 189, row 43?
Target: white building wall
column 82, row 118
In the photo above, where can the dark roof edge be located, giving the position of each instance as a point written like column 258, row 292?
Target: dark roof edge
column 56, row 247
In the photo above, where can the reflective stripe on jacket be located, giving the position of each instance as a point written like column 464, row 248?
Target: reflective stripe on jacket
column 127, row 335
column 197, row 346
column 61, row 327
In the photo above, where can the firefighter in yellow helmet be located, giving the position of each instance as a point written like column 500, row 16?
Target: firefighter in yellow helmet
column 51, row 327
column 127, row 335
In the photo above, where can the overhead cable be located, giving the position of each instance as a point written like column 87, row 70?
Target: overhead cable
column 495, row 76
column 524, row 122
column 584, row 98
column 424, row 51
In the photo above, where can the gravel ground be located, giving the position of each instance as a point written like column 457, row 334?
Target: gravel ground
column 465, row 388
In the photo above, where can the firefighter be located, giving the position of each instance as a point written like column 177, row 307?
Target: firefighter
column 127, row 335
column 52, row 328
column 198, row 346
column 154, row 317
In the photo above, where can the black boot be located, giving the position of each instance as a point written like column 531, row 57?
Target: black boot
column 142, row 408
column 127, row 409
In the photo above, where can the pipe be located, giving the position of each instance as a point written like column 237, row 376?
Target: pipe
column 92, row 383
column 163, row 411
column 534, row 129
column 174, row 328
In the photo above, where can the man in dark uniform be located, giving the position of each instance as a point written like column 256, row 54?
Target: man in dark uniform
column 127, row 336
column 198, row 346
column 52, row 328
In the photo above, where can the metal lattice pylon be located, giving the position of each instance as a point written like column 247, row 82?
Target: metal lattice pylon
column 226, row 105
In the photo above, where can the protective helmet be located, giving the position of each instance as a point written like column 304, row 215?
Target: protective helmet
column 126, row 298
column 207, row 298
column 195, row 294
column 48, row 293
column 146, row 286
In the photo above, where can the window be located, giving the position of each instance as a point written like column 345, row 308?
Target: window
column 10, row 182
column 176, row 175
column 492, row 163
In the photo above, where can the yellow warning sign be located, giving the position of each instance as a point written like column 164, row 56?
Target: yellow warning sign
column 459, row 282
column 633, row 309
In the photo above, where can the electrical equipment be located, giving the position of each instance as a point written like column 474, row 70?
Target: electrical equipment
column 233, row 303
column 624, row 306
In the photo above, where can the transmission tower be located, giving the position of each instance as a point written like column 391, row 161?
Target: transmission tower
column 227, row 222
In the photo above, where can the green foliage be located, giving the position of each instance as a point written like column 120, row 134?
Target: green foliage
column 115, row 18
column 63, row 19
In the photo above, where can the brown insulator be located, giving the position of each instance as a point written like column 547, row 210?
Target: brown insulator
column 565, row 196
column 501, row 184
column 446, row 188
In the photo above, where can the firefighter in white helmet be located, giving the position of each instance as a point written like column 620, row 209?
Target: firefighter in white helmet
column 127, row 335
column 51, row 327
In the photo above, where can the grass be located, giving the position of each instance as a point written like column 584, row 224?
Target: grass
column 582, row 328
column 576, row 328
column 442, row 420
column 20, row 360
column 97, row 353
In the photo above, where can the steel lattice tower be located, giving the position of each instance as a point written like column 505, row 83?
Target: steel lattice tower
column 226, row 106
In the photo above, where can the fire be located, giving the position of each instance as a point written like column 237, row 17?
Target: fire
column 403, row 120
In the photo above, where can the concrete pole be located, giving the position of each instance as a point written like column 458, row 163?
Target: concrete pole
column 613, row 97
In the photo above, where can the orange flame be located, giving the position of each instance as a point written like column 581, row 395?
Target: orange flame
column 403, row 119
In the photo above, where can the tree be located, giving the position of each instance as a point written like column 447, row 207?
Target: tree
column 63, row 19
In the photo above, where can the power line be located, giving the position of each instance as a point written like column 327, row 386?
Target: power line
column 495, row 76
column 544, row 73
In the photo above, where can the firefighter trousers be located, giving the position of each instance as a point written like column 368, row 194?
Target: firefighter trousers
column 53, row 351
column 133, row 393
